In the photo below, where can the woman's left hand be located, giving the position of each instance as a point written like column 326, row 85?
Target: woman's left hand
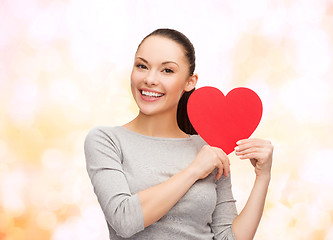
column 259, row 151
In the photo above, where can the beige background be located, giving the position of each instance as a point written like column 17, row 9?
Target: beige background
column 65, row 66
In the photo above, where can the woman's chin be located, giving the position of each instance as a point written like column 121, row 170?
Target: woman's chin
column 148, row 112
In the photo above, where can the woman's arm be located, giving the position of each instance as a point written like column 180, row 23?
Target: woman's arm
column 158, row 200
column 121, row 208
column 129, row 213
column 260, row 154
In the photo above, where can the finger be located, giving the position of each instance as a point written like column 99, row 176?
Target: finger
column 249, row 143
column 218, row 163
column 226, row 166
column 247, row 140
column 219, row 170
column 254, row 155
column 219, row 151
column 246, row 145
column 225, row 161
column 247, row 150
column 221, row 154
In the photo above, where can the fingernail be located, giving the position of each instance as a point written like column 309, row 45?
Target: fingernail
column 237, row 148
column 238, row 142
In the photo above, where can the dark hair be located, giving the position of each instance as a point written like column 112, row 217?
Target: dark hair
column 182, row 117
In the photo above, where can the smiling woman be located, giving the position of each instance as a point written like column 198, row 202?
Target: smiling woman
column 160, row 68
column 153, row 177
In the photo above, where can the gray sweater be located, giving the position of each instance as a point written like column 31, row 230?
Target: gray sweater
column 120, row 163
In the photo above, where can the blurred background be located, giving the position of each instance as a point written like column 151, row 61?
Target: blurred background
column 65, row 67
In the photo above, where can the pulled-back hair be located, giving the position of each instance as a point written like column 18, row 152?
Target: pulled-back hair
column 182, row 117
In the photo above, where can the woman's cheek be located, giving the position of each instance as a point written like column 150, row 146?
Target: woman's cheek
column 134, row 76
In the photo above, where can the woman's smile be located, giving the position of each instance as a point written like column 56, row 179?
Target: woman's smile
column 150, row 96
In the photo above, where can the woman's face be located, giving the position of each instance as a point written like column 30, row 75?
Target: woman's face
column 160, row 75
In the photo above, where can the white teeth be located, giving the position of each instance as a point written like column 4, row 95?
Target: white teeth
column 151, row 94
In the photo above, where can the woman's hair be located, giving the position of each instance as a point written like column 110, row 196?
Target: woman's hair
column 182, row 117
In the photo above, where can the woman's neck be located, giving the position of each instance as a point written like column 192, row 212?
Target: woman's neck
column 156, row 126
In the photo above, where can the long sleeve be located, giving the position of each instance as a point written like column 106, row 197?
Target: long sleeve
column 122, row 209
column 225, row 211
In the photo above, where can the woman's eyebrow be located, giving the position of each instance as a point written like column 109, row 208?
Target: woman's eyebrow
column 163, row 63
column 144, row 60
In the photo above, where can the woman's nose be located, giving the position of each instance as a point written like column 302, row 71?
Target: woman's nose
column 151, row 78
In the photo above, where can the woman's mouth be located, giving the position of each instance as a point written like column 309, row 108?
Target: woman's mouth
column 150, row 95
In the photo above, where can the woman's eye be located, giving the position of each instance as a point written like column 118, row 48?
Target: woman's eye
column 168, row 70
column 141, row 66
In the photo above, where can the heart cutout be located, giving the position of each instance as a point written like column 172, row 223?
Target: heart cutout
column 223, row 120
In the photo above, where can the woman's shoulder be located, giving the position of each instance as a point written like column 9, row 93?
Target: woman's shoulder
column 102, row 130
column 103, row 133
column 104, row 137
column 198, row 140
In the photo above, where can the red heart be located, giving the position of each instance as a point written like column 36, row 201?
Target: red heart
column 223, row 120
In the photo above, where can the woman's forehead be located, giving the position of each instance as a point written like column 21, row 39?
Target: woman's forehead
column 158, row 48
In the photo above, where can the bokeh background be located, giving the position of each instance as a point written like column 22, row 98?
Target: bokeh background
column 65, row 67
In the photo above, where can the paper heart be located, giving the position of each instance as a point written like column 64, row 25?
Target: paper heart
column 223, row 120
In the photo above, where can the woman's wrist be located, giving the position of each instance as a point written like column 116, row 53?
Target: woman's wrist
column 264, row 178
column 193, row 174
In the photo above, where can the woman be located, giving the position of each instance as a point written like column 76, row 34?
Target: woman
column 153, row 177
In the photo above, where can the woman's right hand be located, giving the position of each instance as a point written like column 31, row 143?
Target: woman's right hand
column 208, row 159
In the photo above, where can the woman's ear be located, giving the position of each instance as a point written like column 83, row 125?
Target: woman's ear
column 191, row 82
